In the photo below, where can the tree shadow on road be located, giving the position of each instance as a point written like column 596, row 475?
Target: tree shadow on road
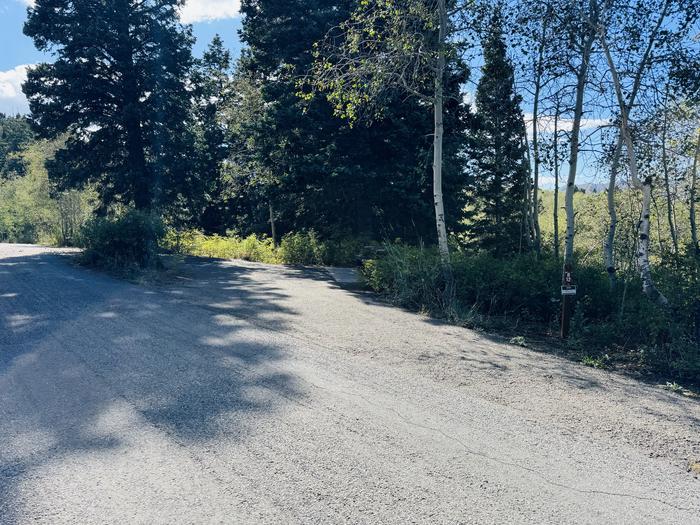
column 75, row 344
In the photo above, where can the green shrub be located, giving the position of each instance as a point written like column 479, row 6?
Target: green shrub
column 410, row 277
column 124, row 243
column 509, row 291
column 296, row 248
column 195, row 243
column 344, row 252
column 308, row 248
column 302, row 248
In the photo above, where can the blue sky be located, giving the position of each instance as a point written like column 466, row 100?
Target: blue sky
column 208, row 17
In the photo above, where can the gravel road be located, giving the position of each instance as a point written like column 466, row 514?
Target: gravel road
column 246, row 393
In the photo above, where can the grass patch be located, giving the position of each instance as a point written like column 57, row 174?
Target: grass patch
column 600, row 363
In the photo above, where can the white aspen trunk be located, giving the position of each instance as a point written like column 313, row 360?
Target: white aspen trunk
column 527, row 225
column 556, row 182
column 693, row 198
column 582, row 77
column 568, row 301
column 529, row 216
column 609, row 245
column 648, row 285
column 535, row 142
column 667, row 182
column 438, row 138
column 643, row 262
column 273, row 228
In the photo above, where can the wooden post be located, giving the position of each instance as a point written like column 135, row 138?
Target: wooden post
column 272, row 226
column 568, row 299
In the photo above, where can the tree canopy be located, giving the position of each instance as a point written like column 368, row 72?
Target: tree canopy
column 117, row 88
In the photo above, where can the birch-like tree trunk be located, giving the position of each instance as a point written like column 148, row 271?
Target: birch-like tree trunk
column 555, row 217
column 273, row 226
column 667, row 181
column 693, row 197
column 530, row 230
column 609, row 245
column 535, row 139
column 527, row 224
column 438, row 103
column 581, row 80
column 568, row 267
column 648, row 285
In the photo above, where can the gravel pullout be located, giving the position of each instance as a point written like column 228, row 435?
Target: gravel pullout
column 246, row 393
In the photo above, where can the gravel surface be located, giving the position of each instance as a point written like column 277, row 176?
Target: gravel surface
column 246, row 393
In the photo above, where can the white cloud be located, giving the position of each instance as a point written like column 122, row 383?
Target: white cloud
column 545, row 124
column 12, row 100
column 208, row 10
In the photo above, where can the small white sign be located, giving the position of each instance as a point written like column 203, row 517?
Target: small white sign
column 568, row 290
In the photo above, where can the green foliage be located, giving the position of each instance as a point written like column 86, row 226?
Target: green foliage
column 674, row 387
column 308, row 248
column 500, row 170
column 410, row 277
column 302, row 248
column 30, row 212
column 15, row 135
column 305, row 248
column 125, row 243
column 372, row 179
column 384, row 45
column 243, row 154
column 251, row 248
column 622, row 324
column 201, row 200
column 117, row 84
column 73, row 210
column 596, row 362
column 519, row 340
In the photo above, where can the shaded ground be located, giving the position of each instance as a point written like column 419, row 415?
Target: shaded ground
column 249, row 393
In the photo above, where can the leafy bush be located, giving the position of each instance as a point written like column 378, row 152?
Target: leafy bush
column 296, row 248
column 125, row 243
column 73, row 210
column 525, row 289
column 308, row 248
column 195, row 243
column 410, row 277
column 302, row 248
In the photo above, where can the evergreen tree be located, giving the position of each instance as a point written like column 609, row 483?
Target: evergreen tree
column 498, row 149
column 117, row 89
column 202, row 202
column 318, row 170
column 15, row 135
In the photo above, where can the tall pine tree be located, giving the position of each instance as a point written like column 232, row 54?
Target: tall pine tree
column 498, row 149
column 117, row 89
column 202, row 200
column 15, row 135
column 323, row 173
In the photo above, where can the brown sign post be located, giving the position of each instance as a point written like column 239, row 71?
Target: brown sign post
column 568, row 299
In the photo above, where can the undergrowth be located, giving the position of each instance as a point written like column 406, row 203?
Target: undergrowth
column 619, row 327
column 305, row 248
